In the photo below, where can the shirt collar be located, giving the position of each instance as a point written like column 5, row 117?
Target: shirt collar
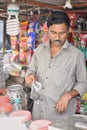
column 66, row 44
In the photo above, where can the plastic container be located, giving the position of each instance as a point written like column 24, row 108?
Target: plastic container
column 40, row 125
column 23, row 116
column 5, row 109
column 4, row 99
column 16, row 92
column 17, row 105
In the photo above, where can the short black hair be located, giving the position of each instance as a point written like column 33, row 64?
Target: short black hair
column 58, row 17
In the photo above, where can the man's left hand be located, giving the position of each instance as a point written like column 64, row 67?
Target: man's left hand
column 62, row 103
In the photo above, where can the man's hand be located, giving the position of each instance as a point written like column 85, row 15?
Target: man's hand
column 62, row 104
column 28, row 80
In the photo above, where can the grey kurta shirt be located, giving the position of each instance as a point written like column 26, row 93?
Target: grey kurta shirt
column 62, row 73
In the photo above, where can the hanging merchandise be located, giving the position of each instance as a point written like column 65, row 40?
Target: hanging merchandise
column 14, row 43
column 33, row 29
column 31, row 40
column 23, row 43
column 2, row 73
column 45, row 35
column 31, row 35
column 23, row 28
column 68, row 4
column 12, row 23
column 23, row 49
column 14, row 47
column 23, row 57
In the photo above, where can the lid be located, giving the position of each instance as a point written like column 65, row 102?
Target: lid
column 17, row 87
column 5, row 108
column 24, row 114
column 4, row 99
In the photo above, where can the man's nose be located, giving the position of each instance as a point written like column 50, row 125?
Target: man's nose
column 57, row 36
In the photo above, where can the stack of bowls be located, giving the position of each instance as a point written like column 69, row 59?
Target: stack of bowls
column 5, row 106
column 23, row 116
column 39, row 125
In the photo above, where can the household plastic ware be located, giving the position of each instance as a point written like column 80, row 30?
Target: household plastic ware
column 4, row 99
column 5, row 109
column 16, row 93
column 40, row 125
column 23, row 116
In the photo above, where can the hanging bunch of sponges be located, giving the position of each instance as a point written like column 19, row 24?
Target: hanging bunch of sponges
column 12, row 23
column 13, row 28
column 68, row 4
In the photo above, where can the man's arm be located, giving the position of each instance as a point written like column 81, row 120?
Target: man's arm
column 62, row 104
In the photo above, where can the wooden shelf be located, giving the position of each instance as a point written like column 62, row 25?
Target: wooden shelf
column 79, row 31
column 76, row 7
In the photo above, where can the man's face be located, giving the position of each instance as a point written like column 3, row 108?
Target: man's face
column 58, row 34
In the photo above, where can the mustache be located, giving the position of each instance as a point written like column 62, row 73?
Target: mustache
column 57, row 40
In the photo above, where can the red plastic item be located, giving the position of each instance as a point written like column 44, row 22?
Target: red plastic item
column 24, row 114
column 40, row 124
column 4, row 99
column 5, row 108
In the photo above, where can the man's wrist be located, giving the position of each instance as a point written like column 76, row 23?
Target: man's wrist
column 72, row 94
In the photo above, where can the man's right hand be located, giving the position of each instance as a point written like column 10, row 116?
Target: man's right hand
column 29, row 79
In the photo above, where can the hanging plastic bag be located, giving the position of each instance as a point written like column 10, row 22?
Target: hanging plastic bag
column 35, row 91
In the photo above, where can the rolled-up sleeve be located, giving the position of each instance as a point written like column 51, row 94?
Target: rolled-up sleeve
column 81, row 75
column 32, row 66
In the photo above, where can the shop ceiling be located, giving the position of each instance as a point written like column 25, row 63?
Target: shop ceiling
column 44, row 5
column 58, row 4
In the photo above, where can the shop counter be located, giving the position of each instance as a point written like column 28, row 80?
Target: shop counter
column 76, row 122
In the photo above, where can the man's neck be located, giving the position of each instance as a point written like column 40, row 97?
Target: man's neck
column 54, row 49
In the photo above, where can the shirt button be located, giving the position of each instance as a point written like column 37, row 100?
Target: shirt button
column 46, row 77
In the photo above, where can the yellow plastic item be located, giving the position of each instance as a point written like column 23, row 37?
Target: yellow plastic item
column 84, row 96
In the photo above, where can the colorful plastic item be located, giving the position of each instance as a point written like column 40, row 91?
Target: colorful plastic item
column 4, row 99
column 40, row 125
column 5, row 108
column 24, row 114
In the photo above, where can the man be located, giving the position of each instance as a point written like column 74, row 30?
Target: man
column 60, row 68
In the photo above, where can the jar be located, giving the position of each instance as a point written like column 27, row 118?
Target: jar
column 16, row 93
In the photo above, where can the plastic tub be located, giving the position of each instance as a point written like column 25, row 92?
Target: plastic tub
column 4, row 99
column 5, row 109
